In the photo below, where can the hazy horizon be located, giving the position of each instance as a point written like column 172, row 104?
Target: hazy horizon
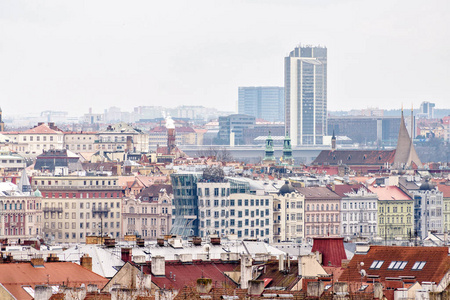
column 73, row 55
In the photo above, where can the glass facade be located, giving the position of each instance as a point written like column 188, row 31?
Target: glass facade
column 185, row 201
column 306, row 95
column 263, row 102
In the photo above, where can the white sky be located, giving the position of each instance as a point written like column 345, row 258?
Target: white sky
column 72, row 55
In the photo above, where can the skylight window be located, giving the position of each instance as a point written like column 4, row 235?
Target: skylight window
column 327, row 287
column 397, row 265
column 363, row 287
column 418, row 265
column 376, row 264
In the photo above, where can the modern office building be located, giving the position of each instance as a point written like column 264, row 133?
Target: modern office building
column 306, row 94
column 231, row 129
column 262, row 102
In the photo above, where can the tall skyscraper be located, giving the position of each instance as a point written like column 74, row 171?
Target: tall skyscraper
column 305, row 77
column 262, row 102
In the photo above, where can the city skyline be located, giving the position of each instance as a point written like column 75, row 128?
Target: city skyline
column 106, row 54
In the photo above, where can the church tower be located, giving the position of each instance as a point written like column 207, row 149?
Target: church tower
column 269, row 157
column 405, row 154
column 287, row 151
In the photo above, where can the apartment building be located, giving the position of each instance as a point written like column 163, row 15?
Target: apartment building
column 20, row 213
column 149, row 213
column 322, row 209
column 395, row 212
column 74, row 207
column 288, row 215
column 234, row 206
column 80, row 141
column 33, row 141
column 359, row 211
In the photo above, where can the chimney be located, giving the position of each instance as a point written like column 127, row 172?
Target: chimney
column 255, row 287
column 37, row 262
column 126, row 254
column 129, row 144
column 158, row 266
column 52, row 257
column 281, row 262
column 377, row 290
column 42, row 292
column 86, row 262
column 246, row 270
column 315, row 288
column 204, row 285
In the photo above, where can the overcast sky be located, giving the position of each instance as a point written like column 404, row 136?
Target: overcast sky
column 72, row 55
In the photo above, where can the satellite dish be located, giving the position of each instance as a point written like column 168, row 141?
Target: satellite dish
column 363, row 273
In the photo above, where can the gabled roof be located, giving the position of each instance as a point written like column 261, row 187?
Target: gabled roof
column 437, row 263
column 41, row 129
column 332, row 250
column 445, row 189
column 180, row 274
column 153, row 190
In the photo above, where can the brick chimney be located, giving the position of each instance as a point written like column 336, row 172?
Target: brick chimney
column 37, row 262
column 86, row 262
column 126, row 254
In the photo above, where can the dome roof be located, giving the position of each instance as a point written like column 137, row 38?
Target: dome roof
column 37, row 193
column 426, row 186
column 286, row 189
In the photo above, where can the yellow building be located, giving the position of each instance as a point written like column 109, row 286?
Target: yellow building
column 395, row 213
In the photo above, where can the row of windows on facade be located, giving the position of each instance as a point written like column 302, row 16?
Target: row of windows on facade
column 19, row 231
column 322, row 207
column 11, row 161
column 394, row 209
column 232, row 202
column 81, row 235
column 232, row 222
column 38, row 138
column 395, row 220
column 82, row 195
column 144, row 221
column 144, row 210
column 149, row 233
column 359, row 217
column 53, row 215
column 20, row 205
column 244, row 233
column 82, row 225
column 323, row 217
column 232, row 213
column 85, row 182
column 322, row 230
column 360, row 205
column 223, row 192
column 362, row 229
column 82, row 205
column 290, row 229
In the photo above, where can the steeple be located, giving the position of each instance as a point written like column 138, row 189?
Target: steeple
column 24, row 183
column 269, row 157
column 405, row 153
column 287, row 150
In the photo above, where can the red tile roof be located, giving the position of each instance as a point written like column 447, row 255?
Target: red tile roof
column 389, row 193
column 343, row 189
column 355, row 157
column 332, row 250
column 445, row 189
column 180, row 274
column 436, row 266
column 15, row 275
column 41, row 129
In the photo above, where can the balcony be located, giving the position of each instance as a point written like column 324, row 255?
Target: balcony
column 58, row 209
column 100, row 210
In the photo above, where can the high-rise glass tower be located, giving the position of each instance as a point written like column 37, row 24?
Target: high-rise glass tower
column 305, row 77
column 262, row 102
